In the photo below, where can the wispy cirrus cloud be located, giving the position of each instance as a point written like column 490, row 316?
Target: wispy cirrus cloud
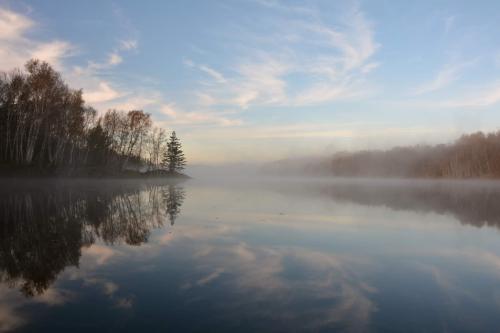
column 276, row 4
column 474, row 98
column 214, row 74
column 486, row 96
column 303, row 61
column 128, row 44
column 263, row 76
column 177, row 116
column 445, row 77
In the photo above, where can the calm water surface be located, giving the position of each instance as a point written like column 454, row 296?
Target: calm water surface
column 280, row 256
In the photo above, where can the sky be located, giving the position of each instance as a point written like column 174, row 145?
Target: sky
column 260, row 80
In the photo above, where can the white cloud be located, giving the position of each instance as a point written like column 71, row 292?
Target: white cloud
column 16, row 48
column 13, row 25
column 103, row 93
column 129, row 44
column 276, row 4
column 481, row 98
column 322, row 93
column 114, row 59
column 256, row 82
column 369, row 67
column 213, row 73
column 204, row 117
column 446, row 76
column 356, row 41
column 260, row 77
column 136, row 102
column 309, row 62
column 205, row 99
column 314, row 131
column 261, row 82
column 52, row 52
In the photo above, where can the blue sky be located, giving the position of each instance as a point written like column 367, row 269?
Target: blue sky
column 256, row 80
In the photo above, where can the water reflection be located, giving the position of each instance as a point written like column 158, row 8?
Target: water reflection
column 45, row 225
column 297, row 256
column 473, row 203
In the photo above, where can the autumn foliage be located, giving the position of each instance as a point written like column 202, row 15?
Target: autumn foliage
column 46, row 125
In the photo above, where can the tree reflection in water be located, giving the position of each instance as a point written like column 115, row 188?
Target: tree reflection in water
column 44, row 226
column 173, row 197
column 474, row 203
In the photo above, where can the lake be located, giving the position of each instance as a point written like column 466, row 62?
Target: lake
column 251, row 256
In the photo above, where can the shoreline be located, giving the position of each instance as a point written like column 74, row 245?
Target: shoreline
column 33, row 173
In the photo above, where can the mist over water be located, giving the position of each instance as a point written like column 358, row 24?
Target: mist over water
column 249, row 254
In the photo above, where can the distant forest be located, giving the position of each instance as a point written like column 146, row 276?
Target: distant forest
column 46, row 126
column 474, row 155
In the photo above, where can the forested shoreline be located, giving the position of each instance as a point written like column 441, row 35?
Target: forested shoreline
column 475, row 155
column 46, row 128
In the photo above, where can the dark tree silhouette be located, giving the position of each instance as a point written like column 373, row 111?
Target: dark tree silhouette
column 98, row 144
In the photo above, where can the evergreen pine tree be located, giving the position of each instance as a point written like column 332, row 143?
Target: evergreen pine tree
column 173, row 159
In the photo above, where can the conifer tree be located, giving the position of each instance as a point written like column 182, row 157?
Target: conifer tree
column 173, row 159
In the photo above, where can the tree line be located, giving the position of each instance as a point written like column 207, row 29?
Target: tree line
column 47, row 125
column 471, row 156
